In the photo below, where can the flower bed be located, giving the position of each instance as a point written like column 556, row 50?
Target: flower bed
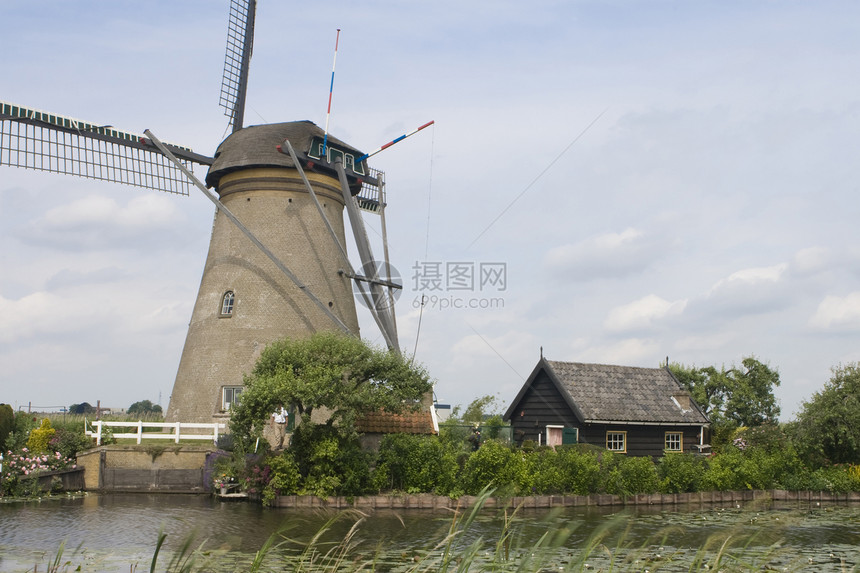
column 21, row 472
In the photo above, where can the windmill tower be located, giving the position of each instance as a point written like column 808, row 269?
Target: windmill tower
column 244, row 301
column 277, row 264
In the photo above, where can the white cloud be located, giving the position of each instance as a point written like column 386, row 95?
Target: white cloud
column 98, row 221
column 748, row 291
column 747, row 278
column 607, row 255
column 642, row 314
column 838, row 313
column 44, row 314
column 811, row 260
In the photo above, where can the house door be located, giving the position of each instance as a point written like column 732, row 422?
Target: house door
column 553, row 435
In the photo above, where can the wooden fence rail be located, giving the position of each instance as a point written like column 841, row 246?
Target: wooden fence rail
column 174, row 433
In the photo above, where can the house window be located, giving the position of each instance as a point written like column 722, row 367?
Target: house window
column 674, row 442
column 616, row 442
column 230, row 396
column 227, row 303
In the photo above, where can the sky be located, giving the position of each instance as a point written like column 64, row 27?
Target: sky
column 638, row 181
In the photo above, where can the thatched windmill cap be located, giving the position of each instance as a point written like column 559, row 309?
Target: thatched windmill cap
column 257, row 146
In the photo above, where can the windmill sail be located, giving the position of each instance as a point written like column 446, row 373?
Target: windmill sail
column 240, row 44
column 48, row 142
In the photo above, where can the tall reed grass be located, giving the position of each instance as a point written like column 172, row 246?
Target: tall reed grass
column 560, row 545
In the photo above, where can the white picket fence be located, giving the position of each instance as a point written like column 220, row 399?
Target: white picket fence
column 175, row 431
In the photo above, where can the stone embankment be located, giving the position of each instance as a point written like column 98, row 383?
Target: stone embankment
column 427, row 501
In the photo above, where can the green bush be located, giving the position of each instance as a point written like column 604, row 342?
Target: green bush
column 494, row 465
column 835, row 479
column 284, row 478
column 680, row 473
column 544, row 473
column 7, row 422
column 69, row 442
column 40, row 437
column 581, row 467
column 416, row 464
column 17, row 438
column 721, row 471
column 632, row 475
column 330, row 462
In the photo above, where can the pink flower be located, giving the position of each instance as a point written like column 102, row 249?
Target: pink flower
column 26, row 471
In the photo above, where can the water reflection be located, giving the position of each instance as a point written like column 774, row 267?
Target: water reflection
column 117, row 531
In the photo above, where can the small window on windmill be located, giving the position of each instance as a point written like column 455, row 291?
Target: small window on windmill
column 227, row 302
column 316, row 150
column 349, row 161
column 335, row 154
column 229, row 397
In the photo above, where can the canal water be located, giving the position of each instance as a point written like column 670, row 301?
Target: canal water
column 120, row 532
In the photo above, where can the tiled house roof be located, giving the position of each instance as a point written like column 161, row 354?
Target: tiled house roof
column 420, row 422
column 601, row 392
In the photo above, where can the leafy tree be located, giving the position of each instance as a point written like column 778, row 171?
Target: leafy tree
column 750, row 400
column 83, row 408
column 144, row 407
column 739, row 396
column 707, row 386
column 483, row 411
column 827, row 429
column 340, row 377
column 478, row 410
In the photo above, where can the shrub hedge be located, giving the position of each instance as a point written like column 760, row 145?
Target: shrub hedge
column 758, row 458
column 430, row 464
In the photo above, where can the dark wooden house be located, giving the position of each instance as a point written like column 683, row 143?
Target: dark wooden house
column 635, row 411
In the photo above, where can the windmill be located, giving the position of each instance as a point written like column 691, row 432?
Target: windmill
column 277, row 263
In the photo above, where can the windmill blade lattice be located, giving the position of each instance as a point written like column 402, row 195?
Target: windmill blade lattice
column 48, row 142
column 240, row 45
